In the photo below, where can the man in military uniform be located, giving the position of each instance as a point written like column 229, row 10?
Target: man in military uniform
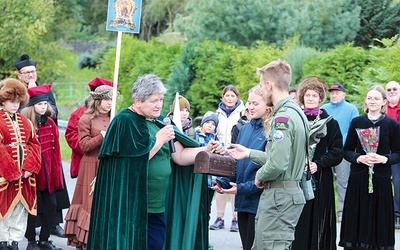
column 283, row 162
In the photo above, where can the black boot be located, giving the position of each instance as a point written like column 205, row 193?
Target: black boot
column 14, row 245
column 3, row 245
column 48, row 244
column 32, row 245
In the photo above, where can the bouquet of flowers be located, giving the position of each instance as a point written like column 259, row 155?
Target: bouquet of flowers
column 369, row 139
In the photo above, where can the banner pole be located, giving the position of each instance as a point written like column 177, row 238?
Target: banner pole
column 116, row 70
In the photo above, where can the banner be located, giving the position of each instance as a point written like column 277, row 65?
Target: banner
column 124, row 15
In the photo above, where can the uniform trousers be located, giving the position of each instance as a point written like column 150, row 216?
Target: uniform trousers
column 277, row 216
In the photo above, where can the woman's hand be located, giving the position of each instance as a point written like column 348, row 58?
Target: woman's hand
column 217, row 187
column 313, row 167
column 238, row 151
column 165, row 134
column 214, row 146
column 374, row 158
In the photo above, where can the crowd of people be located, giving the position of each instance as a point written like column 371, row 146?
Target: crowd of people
column 136, row 187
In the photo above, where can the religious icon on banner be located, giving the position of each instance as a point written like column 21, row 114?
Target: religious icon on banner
column 122, row 15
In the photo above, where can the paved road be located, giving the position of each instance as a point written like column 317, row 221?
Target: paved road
column 221, row 240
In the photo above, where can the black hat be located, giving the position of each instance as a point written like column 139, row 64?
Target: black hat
column 24, row 61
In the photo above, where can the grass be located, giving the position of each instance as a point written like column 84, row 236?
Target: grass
column 65, row 149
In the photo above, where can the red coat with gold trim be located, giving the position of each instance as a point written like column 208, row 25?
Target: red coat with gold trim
column 19, row 152
column 50, row 176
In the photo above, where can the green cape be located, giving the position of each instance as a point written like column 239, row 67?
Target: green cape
column 119, row 210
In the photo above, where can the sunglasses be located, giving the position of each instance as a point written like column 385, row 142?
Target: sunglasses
column 389, row 90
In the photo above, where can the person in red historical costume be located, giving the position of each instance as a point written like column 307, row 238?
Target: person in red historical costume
column 20, row 162
column 28, row 74
column 50, row 178
column 71, row 132
column 91, row 129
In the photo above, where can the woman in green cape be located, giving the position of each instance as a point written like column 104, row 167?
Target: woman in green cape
column 138, row 182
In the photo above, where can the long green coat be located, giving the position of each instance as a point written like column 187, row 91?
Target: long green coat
column 119, row 210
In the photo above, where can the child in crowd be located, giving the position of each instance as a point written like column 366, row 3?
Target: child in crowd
column 205, row 133
column 186, row 121
column 50, row 177
column 20, row 162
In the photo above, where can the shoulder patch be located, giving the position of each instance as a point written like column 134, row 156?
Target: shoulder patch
column 278, row 136
column 281, row 122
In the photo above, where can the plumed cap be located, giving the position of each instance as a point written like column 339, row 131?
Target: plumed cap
column 210, row 116
column 24, row 61
column 97, row 81
column 102, row 92
column 13, row 90
column 183, row 103
column 39, row 94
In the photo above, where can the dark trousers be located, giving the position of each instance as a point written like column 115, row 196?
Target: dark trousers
column 396, row 188
column 246, row 223
column 49, row 210
column 155, row 231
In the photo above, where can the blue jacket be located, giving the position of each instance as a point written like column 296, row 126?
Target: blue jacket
column 248, row 195
column 343, row 112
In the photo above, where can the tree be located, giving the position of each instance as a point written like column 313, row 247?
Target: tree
column 23, row 26
column 344, row 64
column 158, row 17
column 378, row 20
column 321, row 24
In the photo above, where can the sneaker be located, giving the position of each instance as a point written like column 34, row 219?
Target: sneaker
column 48, row 244
column 234, row 226
column 218, row 224
column 32, row 245
column 396, row 222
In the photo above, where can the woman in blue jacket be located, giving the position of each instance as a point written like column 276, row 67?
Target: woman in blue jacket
column 247, row 195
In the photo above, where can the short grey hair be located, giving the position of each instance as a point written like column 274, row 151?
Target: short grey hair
column 147, row 85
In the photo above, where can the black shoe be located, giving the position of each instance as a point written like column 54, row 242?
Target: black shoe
column 32, row 245
column 58, row 231
column 48, row 244
column 13, row 246
column 3, row 245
